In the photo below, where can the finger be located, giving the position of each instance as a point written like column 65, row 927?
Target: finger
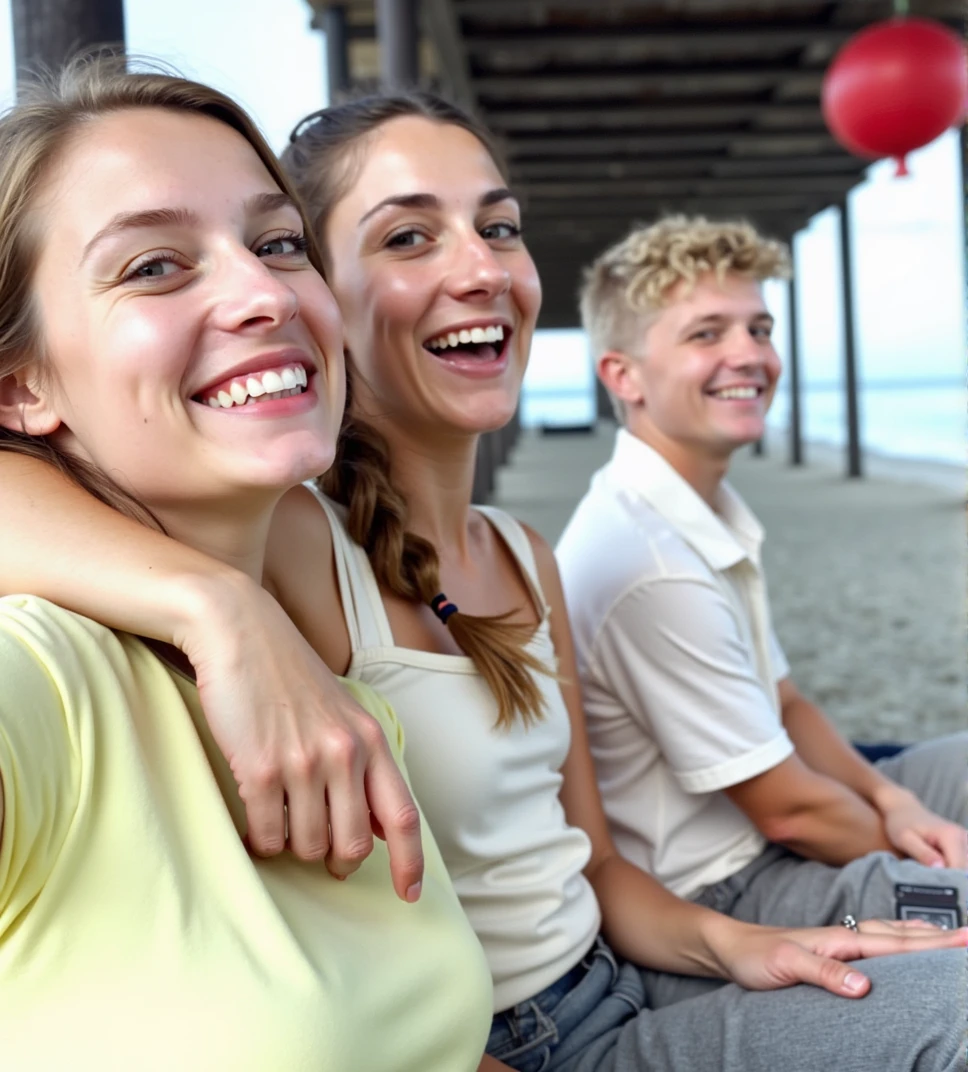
column 952, row 843
column 396, row 814
column 897, row 926
column 264, row 816
column 308, row 816
column 912, row 844
column 349, row 819
column 881, row 945
column 829, row 974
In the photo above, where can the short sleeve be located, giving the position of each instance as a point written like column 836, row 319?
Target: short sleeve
column 39, row 765
column 778, row 659
column 673, row 654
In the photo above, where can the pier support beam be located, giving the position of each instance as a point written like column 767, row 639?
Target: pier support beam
column 396, row 23
column 793, row 371
column 855, row 466
column 48, row 32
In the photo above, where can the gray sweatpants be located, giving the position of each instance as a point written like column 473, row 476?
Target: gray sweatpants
column 913, row 1020
column 784, row 890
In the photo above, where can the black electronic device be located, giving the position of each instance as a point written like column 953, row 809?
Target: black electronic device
column 932, row 904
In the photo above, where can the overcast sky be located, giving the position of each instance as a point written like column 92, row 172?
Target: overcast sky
column 909, row 241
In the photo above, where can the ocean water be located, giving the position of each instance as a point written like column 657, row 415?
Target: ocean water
column 923, row 421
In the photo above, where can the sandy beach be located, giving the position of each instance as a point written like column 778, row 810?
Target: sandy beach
column 867, row 577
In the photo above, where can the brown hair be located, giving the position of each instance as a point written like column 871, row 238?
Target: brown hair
column 625, row 287
column 323, row 159
column 34, row 133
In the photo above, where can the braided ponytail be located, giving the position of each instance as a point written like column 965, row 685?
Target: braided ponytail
column 408, row 566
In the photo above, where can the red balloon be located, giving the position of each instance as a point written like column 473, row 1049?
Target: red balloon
column 894, row 87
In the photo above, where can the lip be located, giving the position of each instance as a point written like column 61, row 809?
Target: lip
column 480, row 322
column 260, row 363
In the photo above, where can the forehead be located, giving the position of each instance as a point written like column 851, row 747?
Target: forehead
column 143, row 158
column 412, row 154
column 734, row 295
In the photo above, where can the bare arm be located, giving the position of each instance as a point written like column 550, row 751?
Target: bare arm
column 491, row 1064
column 812, row 814
column 319, row 751
column 906, row 825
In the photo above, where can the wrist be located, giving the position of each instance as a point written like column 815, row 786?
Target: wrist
column 218, row 599
column 885, row 796
column 721, row 937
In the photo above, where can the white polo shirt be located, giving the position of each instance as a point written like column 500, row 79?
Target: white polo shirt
column 678, row 663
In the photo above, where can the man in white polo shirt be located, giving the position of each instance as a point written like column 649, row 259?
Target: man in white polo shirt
column 717, row 775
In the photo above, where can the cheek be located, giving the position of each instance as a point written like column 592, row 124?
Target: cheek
column 527, row 290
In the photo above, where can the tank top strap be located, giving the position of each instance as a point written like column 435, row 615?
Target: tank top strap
column 366, row 618
column 519, row 544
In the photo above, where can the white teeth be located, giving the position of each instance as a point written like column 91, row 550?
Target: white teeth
column 289, row 381
column 490, row 334
column 737, row 392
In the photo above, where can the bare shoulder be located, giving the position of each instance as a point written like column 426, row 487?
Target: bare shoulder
column 547, row 565
column 300, row 571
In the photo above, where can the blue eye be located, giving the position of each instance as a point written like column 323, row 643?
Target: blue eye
column 156, row 266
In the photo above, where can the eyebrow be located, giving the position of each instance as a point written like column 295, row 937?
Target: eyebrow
column 257, row 205
column 719, row 318
column 430, row 201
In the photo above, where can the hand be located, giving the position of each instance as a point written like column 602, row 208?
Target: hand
column 305, row 755
column 918, row 833
column 768, row 958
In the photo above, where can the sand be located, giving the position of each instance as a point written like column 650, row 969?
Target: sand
column 867, row 577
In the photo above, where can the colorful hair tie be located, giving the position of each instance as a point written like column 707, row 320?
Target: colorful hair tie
column 442, row 607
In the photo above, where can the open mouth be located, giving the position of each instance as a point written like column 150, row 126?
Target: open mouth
column 478, row 344
column 256, row 388
column 740, row 394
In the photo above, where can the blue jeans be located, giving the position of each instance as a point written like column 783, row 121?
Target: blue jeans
column 567, row 1018
column 595, row 1019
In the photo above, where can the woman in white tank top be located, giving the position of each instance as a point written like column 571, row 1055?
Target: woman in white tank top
column 456, row 614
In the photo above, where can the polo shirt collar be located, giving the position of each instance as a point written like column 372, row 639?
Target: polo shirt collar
column 722, row 537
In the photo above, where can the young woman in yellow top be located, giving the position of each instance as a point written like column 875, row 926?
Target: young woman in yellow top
column 153, row 258
column 457, row 614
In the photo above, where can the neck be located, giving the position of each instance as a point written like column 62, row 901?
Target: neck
column 232, row 531
column 704, row 472
column 435, row 474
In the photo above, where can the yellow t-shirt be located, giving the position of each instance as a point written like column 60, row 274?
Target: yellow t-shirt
column 138, row 935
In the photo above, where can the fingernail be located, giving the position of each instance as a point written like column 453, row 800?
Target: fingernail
column 853, row 982
column 413, row 892
column 938, row 863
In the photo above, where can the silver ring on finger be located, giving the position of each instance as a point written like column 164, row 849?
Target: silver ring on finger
column 850, row 923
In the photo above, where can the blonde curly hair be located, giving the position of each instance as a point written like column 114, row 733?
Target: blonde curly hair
column 625, row 288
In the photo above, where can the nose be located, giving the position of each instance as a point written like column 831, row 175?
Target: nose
column 746, row 351
column 477, row 272
column 250, row 296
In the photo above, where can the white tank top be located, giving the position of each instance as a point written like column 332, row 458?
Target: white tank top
column 490, row 795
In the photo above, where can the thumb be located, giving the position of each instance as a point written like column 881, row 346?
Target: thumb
column 841, row 979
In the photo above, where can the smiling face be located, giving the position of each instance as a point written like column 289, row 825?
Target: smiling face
column 438, row 294
column 708, row 371
column 173, row 286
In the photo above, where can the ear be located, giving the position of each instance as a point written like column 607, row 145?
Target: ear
column 24, row 405
column 619, row 375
